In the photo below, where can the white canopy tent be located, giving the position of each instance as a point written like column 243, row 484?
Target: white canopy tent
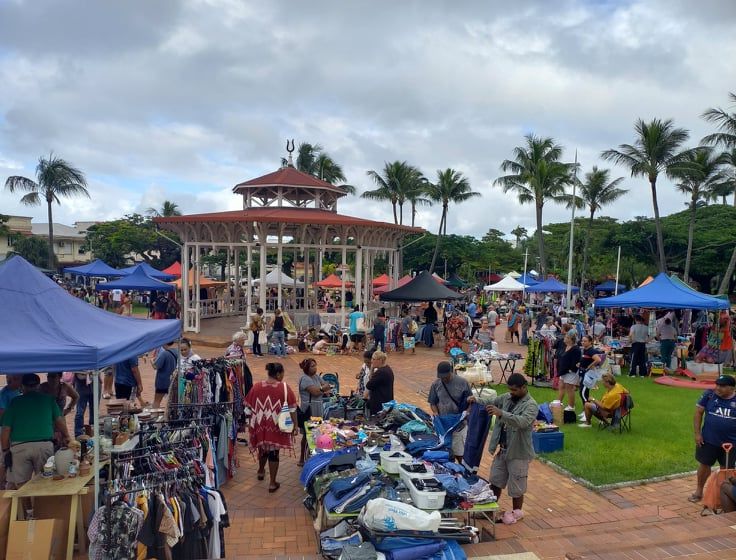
column 278, row 278
column 507, row 284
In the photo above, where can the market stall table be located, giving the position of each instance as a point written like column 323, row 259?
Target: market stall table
column 75, row 488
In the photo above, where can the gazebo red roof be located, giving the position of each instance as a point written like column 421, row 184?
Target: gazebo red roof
column 289, row 177
column 284, row 215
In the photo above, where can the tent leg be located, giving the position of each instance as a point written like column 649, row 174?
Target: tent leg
column 97, row 434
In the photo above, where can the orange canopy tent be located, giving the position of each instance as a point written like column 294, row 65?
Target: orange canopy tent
column 402, row 281
column 382, row 280
column 174, row 269
column 332, row 281
column 203, row 282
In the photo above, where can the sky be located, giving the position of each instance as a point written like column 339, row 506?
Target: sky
column 181, row 101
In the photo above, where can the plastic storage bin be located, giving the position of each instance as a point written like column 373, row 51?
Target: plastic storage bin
column 414, row 470
column 548, row 442
column 427, row 493
column 390, row 460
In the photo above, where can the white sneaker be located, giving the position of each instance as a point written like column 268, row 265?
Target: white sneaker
column 581, row 415
column 584, row 425
column 568, row 407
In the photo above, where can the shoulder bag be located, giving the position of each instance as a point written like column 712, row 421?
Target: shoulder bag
column 286, row 424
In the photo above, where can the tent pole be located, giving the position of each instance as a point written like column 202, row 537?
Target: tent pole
column 97, row 434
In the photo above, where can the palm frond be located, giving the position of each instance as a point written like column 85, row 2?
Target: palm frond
column 31, row 199
column 17, row 183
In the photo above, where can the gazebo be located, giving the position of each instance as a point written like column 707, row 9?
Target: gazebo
column 283, row 211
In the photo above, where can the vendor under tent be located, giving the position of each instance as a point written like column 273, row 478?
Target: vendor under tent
column 137, row 280
column 95, row 268
column 610, row 286
column 424, row 287
column 508, row 284
column 174, row 269
column 551, row 285
column 382, row 280
column 54, row 331
column 663, row 293
column 333, row 281
column 150, row 271
column 403, row 281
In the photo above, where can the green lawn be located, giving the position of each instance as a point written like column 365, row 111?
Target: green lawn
column 660, row 442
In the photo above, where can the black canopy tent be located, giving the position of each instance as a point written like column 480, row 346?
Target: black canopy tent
column 422, row 288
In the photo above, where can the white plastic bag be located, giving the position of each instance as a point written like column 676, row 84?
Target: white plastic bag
column 286, row 424
column 385, row 515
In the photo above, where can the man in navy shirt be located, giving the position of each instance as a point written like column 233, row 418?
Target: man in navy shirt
column 716, row 412
column 127, row 378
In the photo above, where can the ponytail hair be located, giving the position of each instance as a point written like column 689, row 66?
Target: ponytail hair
column 273, row 369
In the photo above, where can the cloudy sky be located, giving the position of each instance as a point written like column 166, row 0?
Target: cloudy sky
column 182, row 100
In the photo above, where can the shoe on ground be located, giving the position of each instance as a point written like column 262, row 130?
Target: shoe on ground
column 508, row 518
column 581, row 415
column 584, row 425
column 518, row 514
column 568, row 407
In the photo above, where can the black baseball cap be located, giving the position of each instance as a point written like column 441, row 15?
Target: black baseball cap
column 444, row 368
column 726, row 380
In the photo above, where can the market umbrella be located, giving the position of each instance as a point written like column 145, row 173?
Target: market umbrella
column 333, row 281
column 403, row 281
column 203, row 282
column 456, row 282
column 424, row 287
column 174, row 269
column 136, row 280
column 551, row 285
column 382, row 280
column 150, row 271
column 95, row 268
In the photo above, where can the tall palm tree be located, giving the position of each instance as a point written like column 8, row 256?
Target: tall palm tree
column 167, row 210
column 518, row 232
column 537, row 176
column 312, row 159
column 726, row 135
column 696, row 174
column 397, row 182
column 451, row 187
column 596, row 191
column 655, row 150
column 416, row 195
column 726, row 185
column 55, row 178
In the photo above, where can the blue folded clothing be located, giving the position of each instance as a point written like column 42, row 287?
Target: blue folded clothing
column 436, row 456
column 343, row 486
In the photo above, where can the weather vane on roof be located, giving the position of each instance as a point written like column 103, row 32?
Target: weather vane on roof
column 290, row 150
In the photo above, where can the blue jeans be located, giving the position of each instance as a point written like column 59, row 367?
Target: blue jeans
column 85, row 399
column 279, row 340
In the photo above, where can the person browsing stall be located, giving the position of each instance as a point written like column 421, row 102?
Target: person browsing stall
column 127, row 378
column 449, row 394
column 589, row 365
column 60, row 391
column 28, row 430
column 165, row 363
column 639, row 334
column 380, row 384
column 714, row 424
column 511, row 441
column 311, row 390
column 610, row 401
column 10, row 391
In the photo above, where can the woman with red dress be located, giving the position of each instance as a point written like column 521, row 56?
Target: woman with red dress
column 264, row 403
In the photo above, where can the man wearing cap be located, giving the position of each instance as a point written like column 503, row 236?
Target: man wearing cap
column 28, row 431
column 714, row 424
column 511, row 441
column 449, row 395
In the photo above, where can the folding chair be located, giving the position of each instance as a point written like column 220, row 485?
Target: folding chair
column 622, row 416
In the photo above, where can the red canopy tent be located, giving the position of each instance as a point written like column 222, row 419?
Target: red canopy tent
column 382, row 280
column 174, row 269
column 402, row 281
column 333, row 281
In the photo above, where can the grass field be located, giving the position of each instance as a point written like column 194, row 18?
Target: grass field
column 660, row 442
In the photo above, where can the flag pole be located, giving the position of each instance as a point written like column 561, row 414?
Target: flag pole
column 572, row 236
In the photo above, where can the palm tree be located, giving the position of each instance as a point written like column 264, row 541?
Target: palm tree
column 312, row 159
column 537, row 176
column 726, row 185
column 696, row 174
column 726, row 122
column 655, row 150
column 416, row 195
column 518, row 232
column 596, row 191
column 55, row 178
column 396, row 184
column 167, row 210
column 453, row 187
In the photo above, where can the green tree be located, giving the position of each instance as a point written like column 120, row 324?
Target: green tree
column 35, row 250
column 696, row 174
column 416, row 195
column 536, row 175
column 726, row 184
column 4, row 229
column 167, row 210
column 312, row 159
column 726, row 124
column 596, row 191
column 518, row 232
column 55, row 178
column 655, row 150
column 451, row 187
column 396, row 183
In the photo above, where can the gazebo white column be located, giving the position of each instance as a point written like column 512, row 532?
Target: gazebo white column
column 195, row 288
column 344, row 273
column 262, row 284
column 279, row 263
column 359, row 277
column 249, row 272
column 236, row 257
column 185, row 303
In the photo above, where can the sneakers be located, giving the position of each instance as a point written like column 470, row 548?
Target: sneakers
column 584, row 425
column 508, row 518
column 568, row 407
column 581, row 415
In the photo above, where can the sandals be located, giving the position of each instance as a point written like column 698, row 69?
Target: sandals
column 276, row 487
column 694, row 498
column 106, row 396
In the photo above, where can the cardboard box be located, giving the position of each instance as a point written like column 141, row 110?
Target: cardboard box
column 38, row 539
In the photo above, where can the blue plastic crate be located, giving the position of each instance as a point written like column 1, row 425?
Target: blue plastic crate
column 548, row 442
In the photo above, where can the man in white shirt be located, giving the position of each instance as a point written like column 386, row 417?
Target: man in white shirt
column 549, row 328
column 599, row 328
column 117, row 299
column 639, row 334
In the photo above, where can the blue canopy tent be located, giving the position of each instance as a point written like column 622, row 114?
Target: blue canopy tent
column 136, row 280
column 663, row 293
column 95, row 268
column 54, row 331
column 148, row 269
column 527, row 279
column 609, row 286
column 550, row 285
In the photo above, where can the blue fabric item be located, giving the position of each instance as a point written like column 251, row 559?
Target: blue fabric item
column 331, row 501
column 416, row 552
column 137, row 279
column 454, row 467
column 551, row 285
column 545, row 413
column 453, row 551
column 418, row 447
column 438, row 456
column 445, row 425
column 54, row 331
column 452, row 484
column 389, row 544
column 357, row 504
column 150, row 271
column 455, row 352
column 479, row 421
column 414, row 426
column 527, row 279
column 317, row 463
column 341, row 487
column 663, row 293
column 95, row 268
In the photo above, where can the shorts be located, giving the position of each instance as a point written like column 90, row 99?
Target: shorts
column 571, row 378
column 28, row 458
column 708, row 454
column 357, row 337
column 123, row 391
column 458, row 441
column 513, row 473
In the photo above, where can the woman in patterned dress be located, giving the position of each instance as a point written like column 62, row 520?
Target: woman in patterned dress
column 264, row 402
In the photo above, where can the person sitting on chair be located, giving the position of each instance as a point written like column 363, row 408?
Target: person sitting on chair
column 610, row 401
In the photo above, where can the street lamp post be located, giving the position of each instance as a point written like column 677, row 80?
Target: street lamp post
column 572, row 236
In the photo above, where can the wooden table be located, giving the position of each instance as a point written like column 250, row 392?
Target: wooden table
column 75, row 488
